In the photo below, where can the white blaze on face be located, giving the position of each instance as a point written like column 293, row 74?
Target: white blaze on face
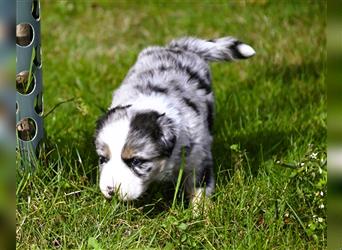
column 115, row 173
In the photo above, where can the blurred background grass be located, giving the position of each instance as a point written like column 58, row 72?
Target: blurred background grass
column 270, row 128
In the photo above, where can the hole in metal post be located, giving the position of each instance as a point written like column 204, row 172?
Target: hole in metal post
column 26, row 129
column 24, row 34
column 38, row 104
column 25, row 85
column 35, row 9
column 37, row 56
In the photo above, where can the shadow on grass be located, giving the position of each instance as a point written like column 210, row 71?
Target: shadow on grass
column 258, row 147
column 265, row 144
column 288, row 73
column 76, row 155
column 157, row 199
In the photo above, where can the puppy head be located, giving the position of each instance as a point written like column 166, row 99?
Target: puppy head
column 133, row 147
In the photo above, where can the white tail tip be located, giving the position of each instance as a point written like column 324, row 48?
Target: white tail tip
column 246, row 50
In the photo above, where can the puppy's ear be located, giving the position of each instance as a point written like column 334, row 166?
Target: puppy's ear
column 113, row 113
column 169, row 137
column 119, row 108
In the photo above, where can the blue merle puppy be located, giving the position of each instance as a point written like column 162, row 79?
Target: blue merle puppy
column 164, row 105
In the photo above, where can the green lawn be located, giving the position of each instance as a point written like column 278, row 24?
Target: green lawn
column 269, row 133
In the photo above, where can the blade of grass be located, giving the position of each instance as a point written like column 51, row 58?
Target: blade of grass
column 30, row 71
column 297, row 217
column 58, row 104
column 179, row 179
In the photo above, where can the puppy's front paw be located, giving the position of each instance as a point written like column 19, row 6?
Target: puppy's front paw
column 200, row 203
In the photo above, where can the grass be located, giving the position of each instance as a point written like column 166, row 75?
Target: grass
column 269, row 133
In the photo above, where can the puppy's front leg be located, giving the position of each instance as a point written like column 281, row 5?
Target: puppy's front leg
column 199, row 186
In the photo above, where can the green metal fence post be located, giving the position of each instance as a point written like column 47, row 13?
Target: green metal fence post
column 29, row 85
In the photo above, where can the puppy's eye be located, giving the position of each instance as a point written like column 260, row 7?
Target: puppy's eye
column 136, row 162
column 103, row 159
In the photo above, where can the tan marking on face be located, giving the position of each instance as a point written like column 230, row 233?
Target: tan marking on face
column 161, row 164
column 106, row 151
column 127, row 153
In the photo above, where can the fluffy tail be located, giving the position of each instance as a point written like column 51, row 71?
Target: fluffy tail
column 221, row 49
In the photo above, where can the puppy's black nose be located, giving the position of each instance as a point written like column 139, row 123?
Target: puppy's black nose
column 110, row 190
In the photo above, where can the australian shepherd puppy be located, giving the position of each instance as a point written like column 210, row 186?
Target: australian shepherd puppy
column 163, row 110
